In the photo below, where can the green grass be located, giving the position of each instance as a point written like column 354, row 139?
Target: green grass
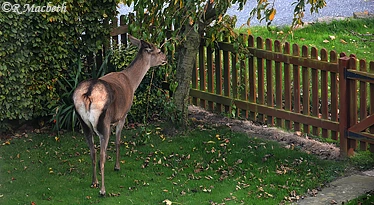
column 204, row 166
column 351, row 36
column 364, row 199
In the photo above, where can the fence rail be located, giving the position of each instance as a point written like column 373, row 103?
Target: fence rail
column 302, row 90
column 293, row 87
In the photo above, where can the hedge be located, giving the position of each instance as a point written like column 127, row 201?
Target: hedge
column 37, row 48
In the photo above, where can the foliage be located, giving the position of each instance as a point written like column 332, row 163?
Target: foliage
column 152, row 97
column 192, row 19
column 65, row 116
column 209, row 165
column 36, row 48
column 151, row 100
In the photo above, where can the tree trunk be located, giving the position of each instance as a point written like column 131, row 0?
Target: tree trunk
column 186, row 62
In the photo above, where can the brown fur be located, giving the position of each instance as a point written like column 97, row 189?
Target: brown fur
column 107, row 100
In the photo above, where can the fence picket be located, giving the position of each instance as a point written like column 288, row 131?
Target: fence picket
column 324, row 92
column 218, row 67
column 195, row 81
column 363, row 99
column 243, row 86
column 296, row 85
column 252, row 78
column 334, row 94
column 210, row 73
column 202, row 73
column 261, row 80
column 235, row 79
column 287, row 85
column 352, row 89
column 226, row 77
column 269, row 81
column 306, row 83
column 315, row 90
column 278, row 82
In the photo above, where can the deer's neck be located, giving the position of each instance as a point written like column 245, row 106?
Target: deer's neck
column 136, row 71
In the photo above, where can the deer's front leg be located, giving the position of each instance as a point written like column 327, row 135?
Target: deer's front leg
column 103, row 147
column 119, row 128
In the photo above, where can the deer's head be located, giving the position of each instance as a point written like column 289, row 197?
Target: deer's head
column 155, row 56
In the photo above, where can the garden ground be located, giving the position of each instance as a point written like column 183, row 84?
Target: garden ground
column 353, row 185
column 211, row 164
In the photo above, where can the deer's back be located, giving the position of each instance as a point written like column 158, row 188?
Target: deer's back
column 122, row 93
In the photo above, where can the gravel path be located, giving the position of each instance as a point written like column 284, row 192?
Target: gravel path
column 284, row 15
column 334, row 8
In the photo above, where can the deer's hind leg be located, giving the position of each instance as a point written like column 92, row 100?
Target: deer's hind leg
column 88, row 133
column 103, row 130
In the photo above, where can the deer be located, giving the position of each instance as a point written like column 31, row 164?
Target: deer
column 106, row 101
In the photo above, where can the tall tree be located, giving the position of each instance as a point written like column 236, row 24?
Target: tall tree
column 188, row 20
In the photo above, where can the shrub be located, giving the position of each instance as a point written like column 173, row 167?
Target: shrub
column 37, row 49
column 151, row 101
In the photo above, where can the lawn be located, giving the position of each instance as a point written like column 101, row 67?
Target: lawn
column 352, row 36
column 206, row 165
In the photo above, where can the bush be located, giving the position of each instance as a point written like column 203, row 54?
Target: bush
column 37, row 49
column 151, row 101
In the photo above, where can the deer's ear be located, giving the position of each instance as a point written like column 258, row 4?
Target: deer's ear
column 148, row 47
column 134, row 41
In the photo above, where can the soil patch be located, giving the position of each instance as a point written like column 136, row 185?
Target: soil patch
column 287, row 139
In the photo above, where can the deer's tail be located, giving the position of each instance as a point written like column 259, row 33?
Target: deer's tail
column 91, row 100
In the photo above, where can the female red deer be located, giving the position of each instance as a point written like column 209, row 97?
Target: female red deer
column 107, row 100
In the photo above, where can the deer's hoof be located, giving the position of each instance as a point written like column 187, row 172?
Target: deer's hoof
column 95, row 185
column 116, row 168
column 102, row 193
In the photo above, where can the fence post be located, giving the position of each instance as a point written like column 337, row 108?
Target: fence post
column 343, row 110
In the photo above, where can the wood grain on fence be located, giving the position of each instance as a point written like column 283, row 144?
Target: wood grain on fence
column 284, row 88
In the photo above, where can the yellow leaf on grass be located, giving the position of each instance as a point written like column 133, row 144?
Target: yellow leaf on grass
column 326, row 41
column 343, row 41
column 272, row 14
column 167, row 202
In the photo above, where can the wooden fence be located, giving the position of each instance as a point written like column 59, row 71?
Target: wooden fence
column 300, row 89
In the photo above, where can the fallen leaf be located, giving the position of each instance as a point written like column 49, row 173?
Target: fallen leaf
column 343, row 41
column 298, row 133
column 333, row 202
column 326, row 41
column 167, row 202
column 332, row 37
